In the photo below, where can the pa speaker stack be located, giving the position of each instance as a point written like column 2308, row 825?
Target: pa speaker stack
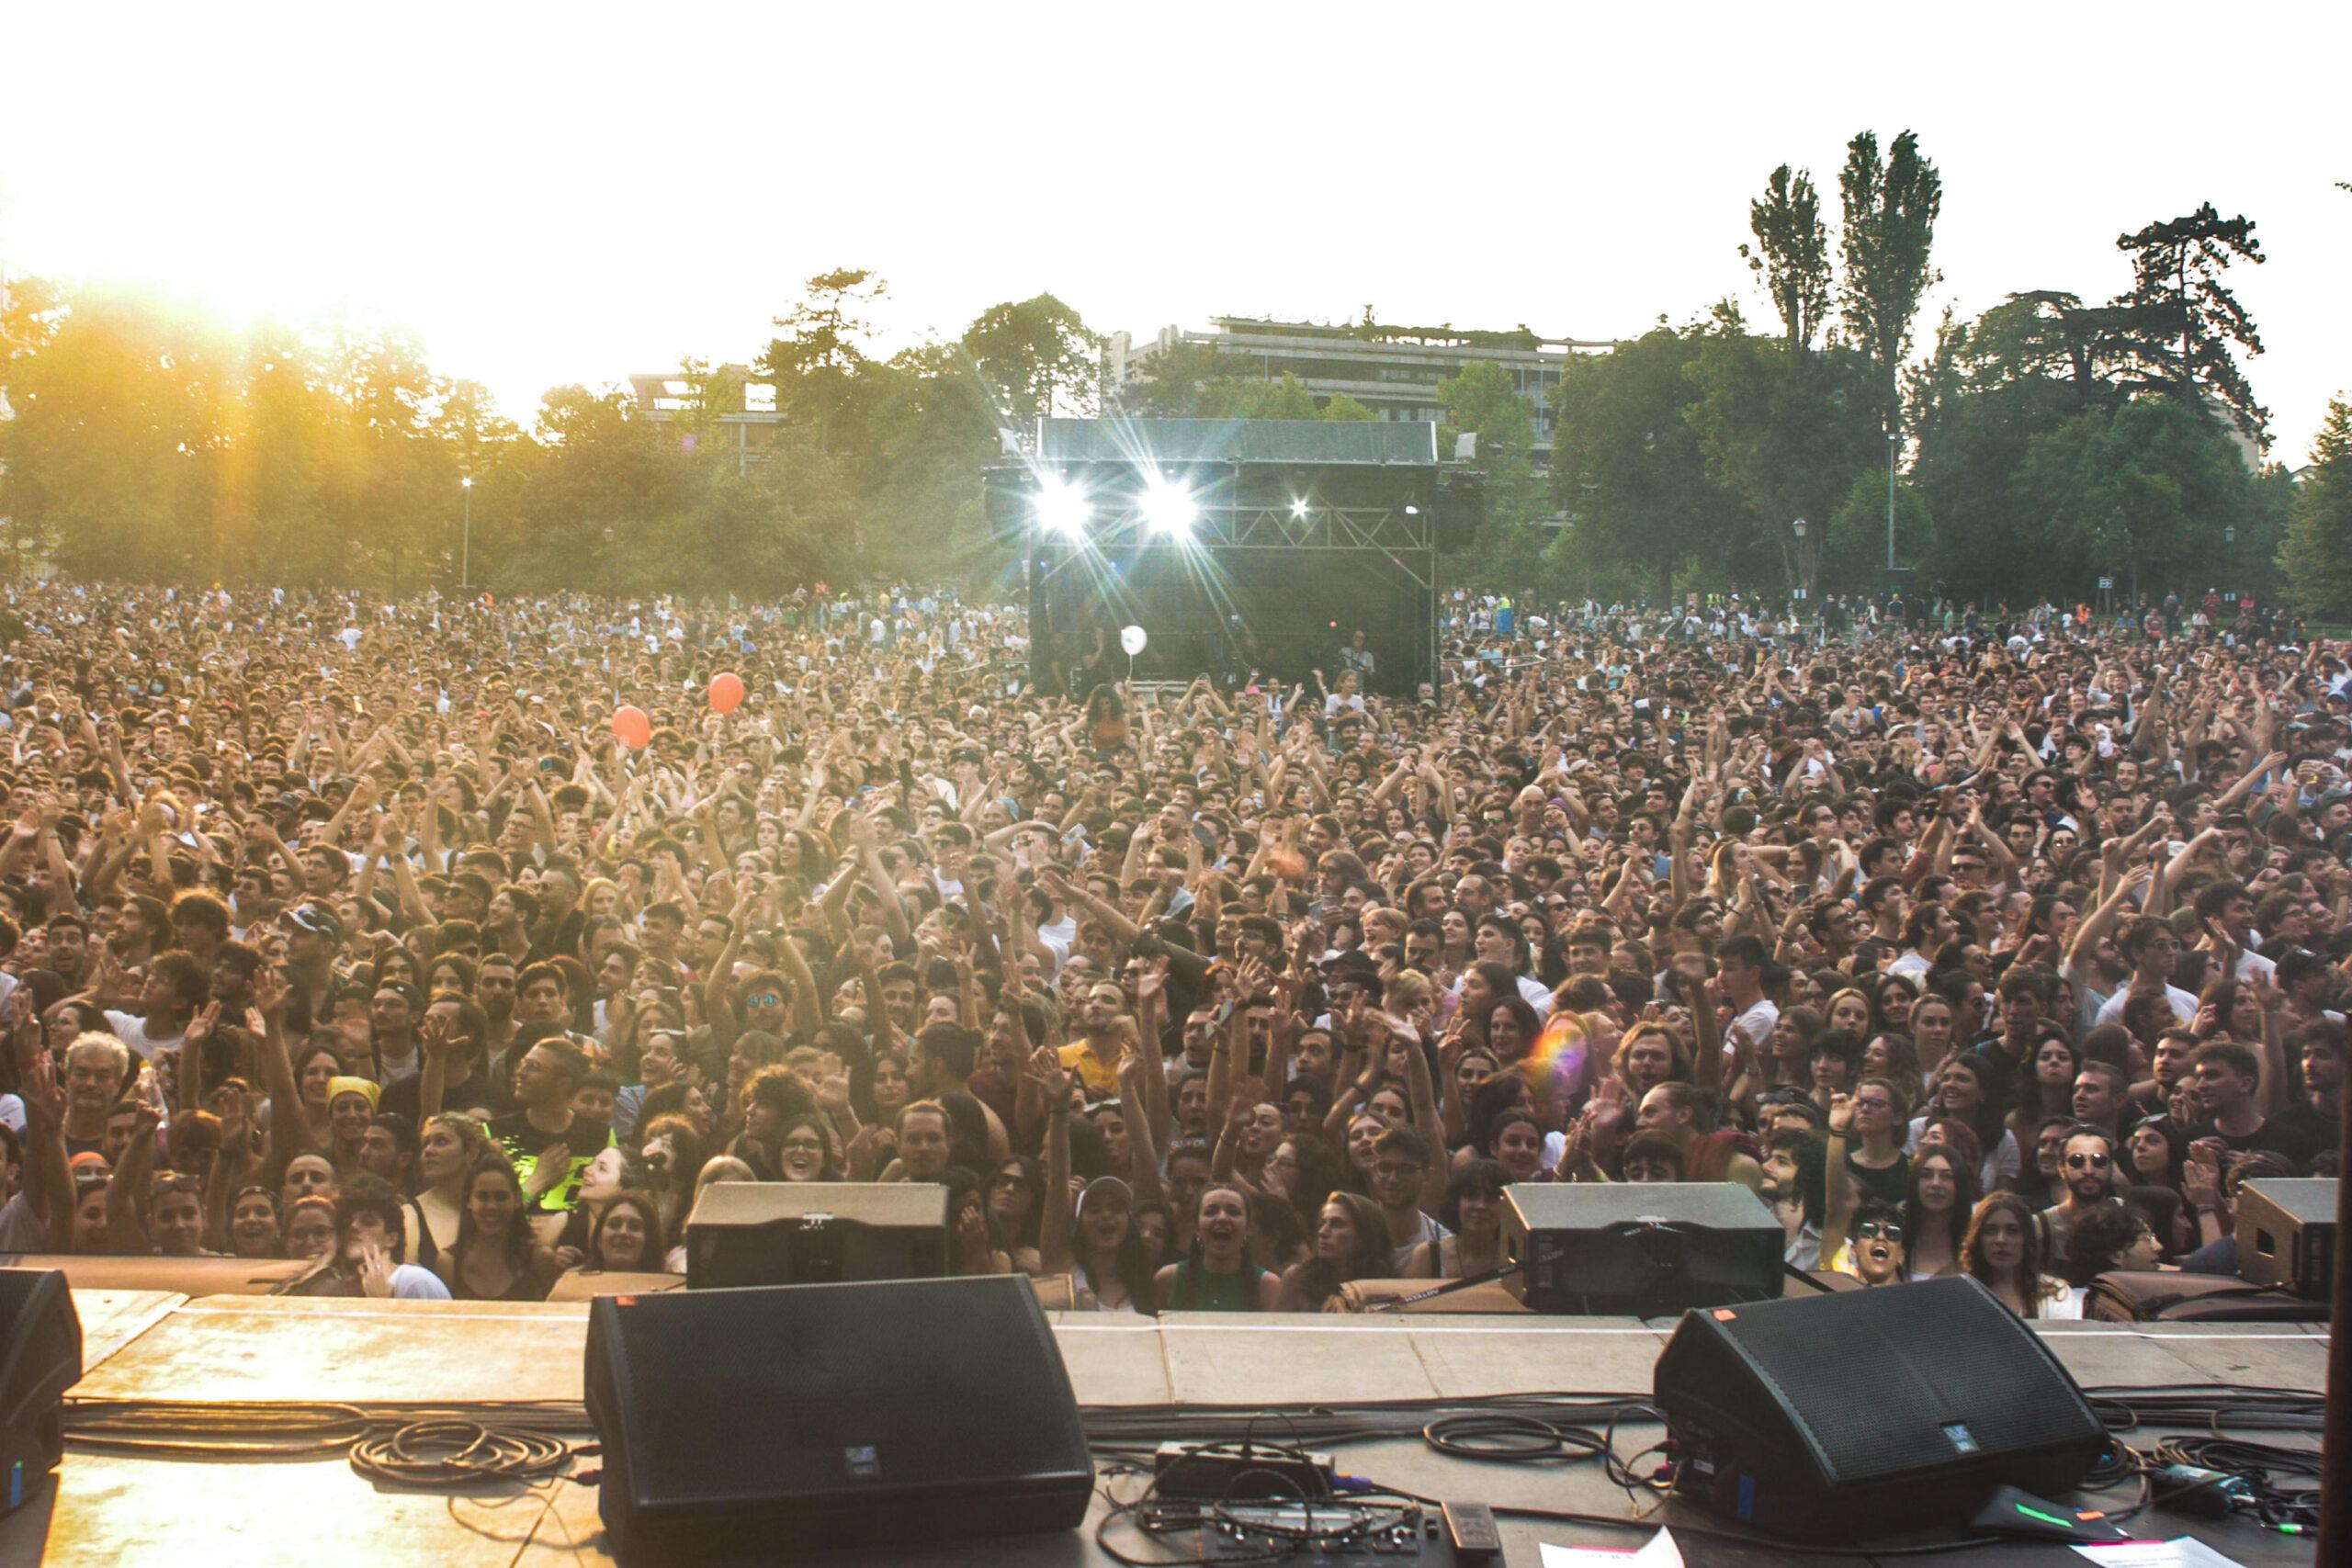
column 1639, row 1249
column 1844, row 1414
column 768, row 1422
column 40, row 1358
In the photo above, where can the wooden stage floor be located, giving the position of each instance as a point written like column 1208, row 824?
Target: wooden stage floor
column 113, row 1510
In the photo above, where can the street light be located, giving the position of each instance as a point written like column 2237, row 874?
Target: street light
column 466, row 560
column 2229, row 550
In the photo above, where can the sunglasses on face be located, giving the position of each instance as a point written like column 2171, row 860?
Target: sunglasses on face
column 2093, row 1162
column 1883, row 1230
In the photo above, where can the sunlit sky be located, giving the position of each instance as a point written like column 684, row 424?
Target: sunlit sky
column 554, row 194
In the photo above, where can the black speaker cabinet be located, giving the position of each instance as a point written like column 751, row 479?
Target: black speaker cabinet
column 1845, row 1414
column 1639, row 1249
column 762, row 1422
column 40, row 1358
column 2287, row 1234
column 816, row 1233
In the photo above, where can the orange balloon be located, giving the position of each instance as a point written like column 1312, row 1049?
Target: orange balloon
column 632, row 727
column 726, row 692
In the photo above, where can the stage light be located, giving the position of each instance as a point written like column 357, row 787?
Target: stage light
column 1062, row 506
column 1298, row 508
column 1169, row 508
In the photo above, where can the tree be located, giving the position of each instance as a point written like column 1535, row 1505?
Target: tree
column 1035, row 357
column 1626, row 463
column 1484, row 399
column 2185, row 326
column 1169, row 384
column 816, row 363
column 1889, row 230
column 2317, row 556
column 1787, row 431
column 1791, row 255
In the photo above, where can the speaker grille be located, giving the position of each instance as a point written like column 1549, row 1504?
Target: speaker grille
column 1907, row 1377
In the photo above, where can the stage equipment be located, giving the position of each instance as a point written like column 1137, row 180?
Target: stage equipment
column 1239, row 546
column 777, row 1421
column 2287, row 1233
column 1639, row 1249
column 40, row 1358
column 1847, row 1415
column 816, row 1233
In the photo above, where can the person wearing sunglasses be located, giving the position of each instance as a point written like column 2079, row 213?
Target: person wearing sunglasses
column 1874, row 1244
column 2090, row 1175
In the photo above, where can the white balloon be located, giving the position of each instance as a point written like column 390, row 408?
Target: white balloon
column 1132, row 639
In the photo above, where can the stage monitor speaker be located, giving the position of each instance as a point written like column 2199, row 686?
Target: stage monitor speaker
column 1843, row 1415
column 1640, row 1249
column 40, row 1358
column 816, row 1233
column 2287, row 1233
column 767, row 1422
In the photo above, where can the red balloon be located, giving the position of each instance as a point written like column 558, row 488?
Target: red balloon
column 726, row 692
column 632, row 727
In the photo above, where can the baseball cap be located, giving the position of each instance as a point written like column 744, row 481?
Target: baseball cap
column 317, row 918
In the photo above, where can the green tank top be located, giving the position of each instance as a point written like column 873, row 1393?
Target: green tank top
column 1197, row 1290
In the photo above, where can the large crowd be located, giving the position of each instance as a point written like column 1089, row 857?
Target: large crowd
column 1975, row 940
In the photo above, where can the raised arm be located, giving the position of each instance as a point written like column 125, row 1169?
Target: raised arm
column 1059, row 1223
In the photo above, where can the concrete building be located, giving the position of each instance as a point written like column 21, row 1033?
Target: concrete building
column 743, row 410
column 1393, row 372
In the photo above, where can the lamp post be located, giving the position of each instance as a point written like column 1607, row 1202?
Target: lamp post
column 1802, row 576
column 465, row 559
column 2230, row 553
column 1894, row 444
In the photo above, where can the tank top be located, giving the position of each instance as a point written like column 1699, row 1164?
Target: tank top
column 1197, row 1290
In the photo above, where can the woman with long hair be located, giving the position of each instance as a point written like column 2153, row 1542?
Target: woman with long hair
column 496, row 1257
column 2002, row 1250
column 1094, row 1238
column 673, row 1158
column 1219, row 1274
column 1790, row 1049
column 625, row 1238
column 1350, row 1242
column 1016, row 1197
column 450, row 1146
column 1942, row 1200
column 1934, row 1023
column 1473, row 1210
column 2050, row 1089
column 1852, row 1012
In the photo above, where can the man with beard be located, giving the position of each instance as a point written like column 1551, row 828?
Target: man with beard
column 1795, row 1167
column 1094, row 1056
column 2087, row 1165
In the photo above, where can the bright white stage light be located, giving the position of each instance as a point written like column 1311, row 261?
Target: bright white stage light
column 1298, row 508
column 1169, row 508
column 1062, row 507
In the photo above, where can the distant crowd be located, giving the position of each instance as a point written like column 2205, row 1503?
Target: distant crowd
column 378, row 935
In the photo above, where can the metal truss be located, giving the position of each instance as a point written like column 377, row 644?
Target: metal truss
column 1407, row 539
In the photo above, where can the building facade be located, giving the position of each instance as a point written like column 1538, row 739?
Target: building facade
column 1393, row 371
column 740, row 410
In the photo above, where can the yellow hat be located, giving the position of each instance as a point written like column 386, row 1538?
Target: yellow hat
column 367, row 1088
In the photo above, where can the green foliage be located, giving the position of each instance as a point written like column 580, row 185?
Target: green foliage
column 146, row 448
column 2317, row 554
column 1035, row 357
column 1792, row 253
column 1229, row 397
column 1889, row 230
column 1628, row 470
column 2183, row 326
column 1788, row 432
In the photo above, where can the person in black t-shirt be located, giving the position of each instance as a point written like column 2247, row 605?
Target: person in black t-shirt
column 2317, row 1116
column 2224, row 1079
column 549, row 1142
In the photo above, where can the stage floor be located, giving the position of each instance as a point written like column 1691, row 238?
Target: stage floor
column 113, row 1510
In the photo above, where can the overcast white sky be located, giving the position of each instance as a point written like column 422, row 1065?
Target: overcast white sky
column 551, row 194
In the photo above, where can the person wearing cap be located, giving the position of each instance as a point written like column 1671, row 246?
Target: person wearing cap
column 313, row 935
